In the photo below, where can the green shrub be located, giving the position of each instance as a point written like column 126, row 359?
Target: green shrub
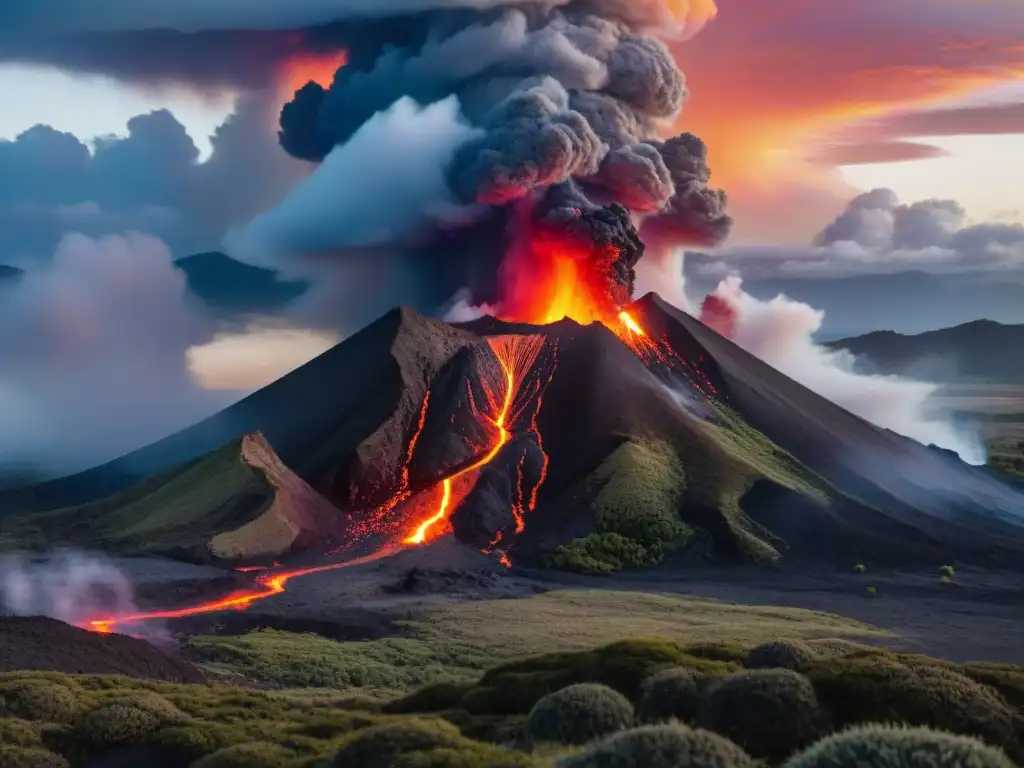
column 381, row 745
column 948, row 571
column 578, row 714
column 885, row 688
column 717, row 652
column 881, row 746
column 601, row 553
column 39, row 700
column 29, row 757
column 661, row 746
column 1007, row 679
column 19, row 733
column 118, row 723
column 256, row 754
column 432, row 698
column 193, row 741
column 514, row 688
column 784, row 654
column 672, row 694
column 859, row 568
column 771, row 713
column 834, row 647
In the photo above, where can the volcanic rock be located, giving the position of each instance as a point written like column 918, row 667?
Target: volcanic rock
column 38, row 642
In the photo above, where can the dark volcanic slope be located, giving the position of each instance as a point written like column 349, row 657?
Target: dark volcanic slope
column 37, row 642
column 314, row 417
column 937, row 495
column 983, row 350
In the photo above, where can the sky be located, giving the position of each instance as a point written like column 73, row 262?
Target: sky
column 780, row 91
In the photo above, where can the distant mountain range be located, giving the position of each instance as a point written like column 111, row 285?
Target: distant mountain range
column 907, row 302
column 982, row 350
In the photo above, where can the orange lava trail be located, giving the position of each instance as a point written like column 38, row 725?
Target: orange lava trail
column 269, row 585
column 516, row 355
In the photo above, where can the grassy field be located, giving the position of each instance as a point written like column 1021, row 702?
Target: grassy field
column 458, row 642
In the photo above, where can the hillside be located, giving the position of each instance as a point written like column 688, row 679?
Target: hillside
column 972, row 352
column 564, row 445
column 229, row 286
column 237, row 503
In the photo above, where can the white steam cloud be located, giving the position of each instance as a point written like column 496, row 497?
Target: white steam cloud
column 377, row 189
column 94, row 349
column 781, row 332
column 70, row 586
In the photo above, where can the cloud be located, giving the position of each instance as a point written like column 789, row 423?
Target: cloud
column 762, row 101
column 878, row 234
column 379, row 188
column 94, row 347
column 151, row 180
column 884, row 139
column 781, row 331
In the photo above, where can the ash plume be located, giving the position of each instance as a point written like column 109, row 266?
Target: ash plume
column 564, row 109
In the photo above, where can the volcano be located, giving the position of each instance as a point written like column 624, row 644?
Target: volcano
column 653, row 440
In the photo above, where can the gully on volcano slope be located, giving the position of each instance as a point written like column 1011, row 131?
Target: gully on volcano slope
column 526, row 364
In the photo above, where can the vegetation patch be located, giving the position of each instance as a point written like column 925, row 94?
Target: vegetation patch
column 642, row 485
column 661, row 746
column 578, row 714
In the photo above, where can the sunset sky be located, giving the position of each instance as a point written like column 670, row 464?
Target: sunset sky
column 803, row 102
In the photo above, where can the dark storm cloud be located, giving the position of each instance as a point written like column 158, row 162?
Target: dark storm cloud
column 151, row 180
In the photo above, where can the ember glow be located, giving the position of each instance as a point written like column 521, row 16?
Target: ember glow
column 311, row 68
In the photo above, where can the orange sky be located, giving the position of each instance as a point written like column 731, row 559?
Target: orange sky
column 769, row 77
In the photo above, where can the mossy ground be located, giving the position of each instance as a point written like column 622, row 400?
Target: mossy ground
column 458, row 642
column 173, row 513
column 467, row 725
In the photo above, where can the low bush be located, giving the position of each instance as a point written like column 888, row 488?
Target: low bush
column 432, row 698
column 578, row 714
column 19, row 733
column 38, row 700
column 114, row 724
column 783, row 654
column 887, row 688
column 256, row 754
column 894, row 747
column 419, row 743
column 514, row 688
column 661, row 746
column 29, row 757
column 771, row 713
column 672, row 694
column 834, row 647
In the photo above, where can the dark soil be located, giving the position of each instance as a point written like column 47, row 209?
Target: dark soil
column 37, row 642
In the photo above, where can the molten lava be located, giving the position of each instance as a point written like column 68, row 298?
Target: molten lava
column 310, row 67
column 516, row 356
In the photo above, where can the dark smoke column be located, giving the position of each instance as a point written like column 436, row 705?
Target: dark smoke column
column 571, row 105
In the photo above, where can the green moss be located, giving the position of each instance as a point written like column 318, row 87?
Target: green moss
column 38, row 700
column 19, row 733
column 642, row 485
column 882, row 687
column 895, row 747
column 771, row 713
column 28, row 757
column 515, row 688
column 257, row 754
column 661, row 746
column 432, row 698
column 578, row 714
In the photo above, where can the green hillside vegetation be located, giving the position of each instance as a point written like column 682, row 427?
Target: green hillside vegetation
column 174, row 513
column 558, row 710
column 649, row 497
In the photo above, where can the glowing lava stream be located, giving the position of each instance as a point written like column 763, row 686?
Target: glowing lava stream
column 516, row 355
column 272, row 584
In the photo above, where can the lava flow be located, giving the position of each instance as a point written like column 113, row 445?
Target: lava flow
column 516, row 355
